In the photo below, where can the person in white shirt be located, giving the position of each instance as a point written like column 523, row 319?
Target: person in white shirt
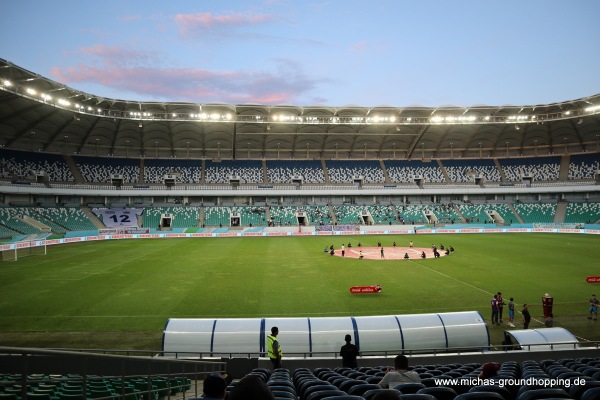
column 401, row 374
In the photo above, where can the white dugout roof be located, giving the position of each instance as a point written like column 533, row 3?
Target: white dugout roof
column 325, row 335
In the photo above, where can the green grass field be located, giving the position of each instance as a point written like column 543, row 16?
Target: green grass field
column 119, row 294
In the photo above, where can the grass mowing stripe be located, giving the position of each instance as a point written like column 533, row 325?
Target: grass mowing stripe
column 453, row 278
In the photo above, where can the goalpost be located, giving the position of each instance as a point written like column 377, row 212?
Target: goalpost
column 24, row 249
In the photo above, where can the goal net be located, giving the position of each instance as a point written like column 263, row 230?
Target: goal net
column 24, row 249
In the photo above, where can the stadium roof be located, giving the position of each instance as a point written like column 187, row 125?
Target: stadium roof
column 39, row 114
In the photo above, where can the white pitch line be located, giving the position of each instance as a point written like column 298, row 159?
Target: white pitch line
column 453, row 278
column 481, row 290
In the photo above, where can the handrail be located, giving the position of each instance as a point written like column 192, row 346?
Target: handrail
column 186, row 355
column 25, row 367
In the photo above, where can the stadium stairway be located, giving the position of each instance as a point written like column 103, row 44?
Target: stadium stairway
column 457, row 211
column 141, row 178
column 264, row 169
column 36, row 224
column 92, row 217
column 502, row 174
column 516, row 214
column 332, row 213
column 74, row 170
column 326, row 173
column 564, row 168
column 387, row 179
column 446, row 176
column 561, row 212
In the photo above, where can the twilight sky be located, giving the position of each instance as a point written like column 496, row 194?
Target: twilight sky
column 323, row 52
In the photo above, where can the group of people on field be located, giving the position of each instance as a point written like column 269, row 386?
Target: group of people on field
column 498, row 304
column 498, row 311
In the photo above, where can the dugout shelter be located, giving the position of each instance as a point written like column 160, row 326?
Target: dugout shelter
column 323, row 336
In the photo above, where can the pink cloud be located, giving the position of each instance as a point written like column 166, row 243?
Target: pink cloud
column 151, row 82
column 359, row 46
column 117, row 55
column 190, row 23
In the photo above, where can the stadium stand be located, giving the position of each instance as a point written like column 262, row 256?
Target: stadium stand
column 412, row 213
column 362, row 382
column 583, row 212
column 24, row 165
column 536, row 212
column 483, row 213
column 404, row 171
column 251, row 216
column 284, row 215
column 217, row 216
column 317, row 215
column 584, row 166
column 13, row 219
column 382, row 214
column 345, row 171
column 567, row 378
column 337, row 383
column 282, row 171
column 445, row 213
column 66, row 218
column 541, row 168
column 349, row 214
column 221, row 216
column 467, row 170
column 249, row 171
column 182, row 217
column 187, row 171
column 100, row 169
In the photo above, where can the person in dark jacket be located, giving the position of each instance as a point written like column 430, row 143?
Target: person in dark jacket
column 349, row 352
column 526, row 316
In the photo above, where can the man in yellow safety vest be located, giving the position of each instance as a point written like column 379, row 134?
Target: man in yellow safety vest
column 274, row 348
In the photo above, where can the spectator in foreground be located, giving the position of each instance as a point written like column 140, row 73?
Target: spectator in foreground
column 388, row 394
column 400, row 374
column 489, row 370
column 214, row 387
column 251, row 387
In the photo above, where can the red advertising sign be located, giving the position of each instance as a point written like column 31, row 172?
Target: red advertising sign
column 365, row 289
column 593, row 279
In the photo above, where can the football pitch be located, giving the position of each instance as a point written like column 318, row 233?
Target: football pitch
column 119, row 294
